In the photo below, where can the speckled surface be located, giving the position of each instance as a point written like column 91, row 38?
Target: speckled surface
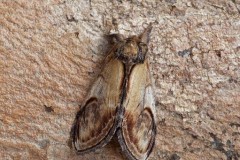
column 51, row 51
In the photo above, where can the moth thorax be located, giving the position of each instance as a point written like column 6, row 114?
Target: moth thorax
column 130, row 49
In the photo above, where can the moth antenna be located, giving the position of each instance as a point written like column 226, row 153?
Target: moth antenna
column 145, row 36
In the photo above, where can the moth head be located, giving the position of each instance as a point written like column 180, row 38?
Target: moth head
column 130, row 47
column 135, row 48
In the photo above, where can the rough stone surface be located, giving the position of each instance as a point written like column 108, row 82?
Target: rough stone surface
column 51, row 51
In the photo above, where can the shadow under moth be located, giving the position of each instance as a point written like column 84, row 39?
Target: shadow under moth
column 120, row 102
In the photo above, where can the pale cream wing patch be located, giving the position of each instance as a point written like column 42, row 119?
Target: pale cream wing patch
column 138, row 132
column 96, row 121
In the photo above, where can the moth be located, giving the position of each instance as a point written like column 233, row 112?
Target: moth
column 120, row 102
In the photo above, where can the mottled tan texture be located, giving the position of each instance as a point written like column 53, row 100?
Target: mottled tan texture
column 97, row 119
column 50, row 52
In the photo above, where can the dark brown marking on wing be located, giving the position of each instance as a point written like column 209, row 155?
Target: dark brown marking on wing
column 123, row 92
column 123, row 83
column 138, row 130
column 128, row 74
column 153, row 128
column 105, row 118
column 88, row 115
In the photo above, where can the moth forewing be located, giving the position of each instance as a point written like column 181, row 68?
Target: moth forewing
column 97, row 120
column 138, row 131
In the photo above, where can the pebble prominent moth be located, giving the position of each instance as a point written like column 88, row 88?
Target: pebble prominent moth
column 120, row 102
